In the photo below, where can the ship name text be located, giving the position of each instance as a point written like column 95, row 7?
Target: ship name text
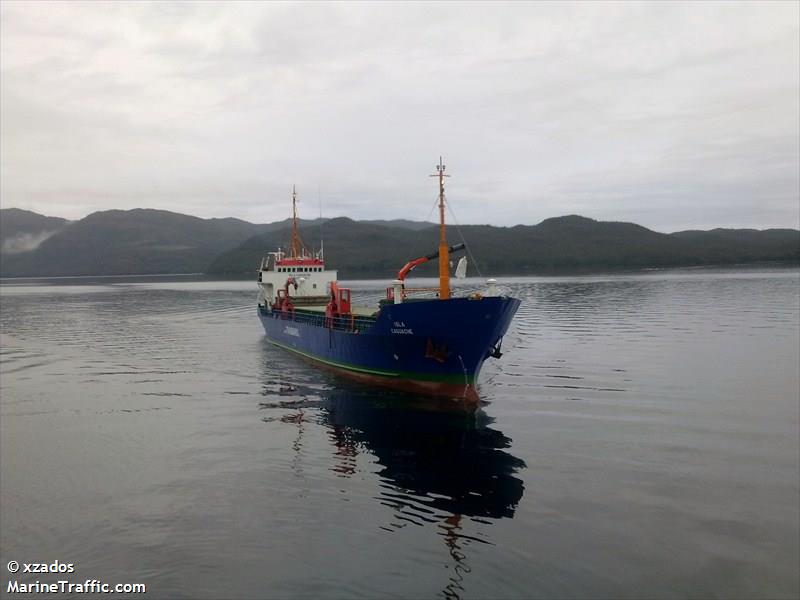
column 399, row 327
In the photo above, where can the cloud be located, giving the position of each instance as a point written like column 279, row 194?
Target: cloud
column 668, row 114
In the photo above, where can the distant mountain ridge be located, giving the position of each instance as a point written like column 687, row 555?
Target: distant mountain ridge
column 149, row 241
column 139, row 241
column 561, row 244
column 401, row 223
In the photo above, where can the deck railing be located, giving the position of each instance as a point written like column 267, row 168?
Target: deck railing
column 353, row 324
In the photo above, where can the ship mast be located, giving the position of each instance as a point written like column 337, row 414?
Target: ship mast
column 297, row 244
column 444, row 255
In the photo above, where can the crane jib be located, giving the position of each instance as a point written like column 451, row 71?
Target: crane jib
column 454, row 248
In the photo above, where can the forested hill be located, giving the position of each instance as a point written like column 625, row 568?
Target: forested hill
column 129, row 242
column 117, row 242
column 562, row 244
column 144, row 241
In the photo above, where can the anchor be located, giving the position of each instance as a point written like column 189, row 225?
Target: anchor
column 495, row 351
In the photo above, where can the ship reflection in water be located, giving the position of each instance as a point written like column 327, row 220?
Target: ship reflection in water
column 436, row 466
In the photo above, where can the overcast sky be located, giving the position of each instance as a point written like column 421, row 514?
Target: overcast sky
column 673, row 115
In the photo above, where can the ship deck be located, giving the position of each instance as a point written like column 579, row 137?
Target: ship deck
column 358, row 311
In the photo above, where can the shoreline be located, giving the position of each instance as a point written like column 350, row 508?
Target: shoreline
column 735, row 267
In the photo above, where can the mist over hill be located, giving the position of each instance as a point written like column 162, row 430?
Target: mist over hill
column 148, row 241
column 23, row 230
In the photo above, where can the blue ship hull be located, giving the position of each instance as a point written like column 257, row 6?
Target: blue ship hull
column 434, row 347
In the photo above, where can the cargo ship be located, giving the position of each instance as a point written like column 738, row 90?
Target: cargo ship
column 433, row 344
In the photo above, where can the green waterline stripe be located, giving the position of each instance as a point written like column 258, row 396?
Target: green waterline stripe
column 458, row 379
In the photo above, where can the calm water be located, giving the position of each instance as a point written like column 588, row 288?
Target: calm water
column 640, row 439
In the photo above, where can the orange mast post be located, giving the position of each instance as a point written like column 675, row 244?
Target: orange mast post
column 444, row 254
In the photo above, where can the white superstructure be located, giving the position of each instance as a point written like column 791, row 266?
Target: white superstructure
column 300, row 273
column 304, row 277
